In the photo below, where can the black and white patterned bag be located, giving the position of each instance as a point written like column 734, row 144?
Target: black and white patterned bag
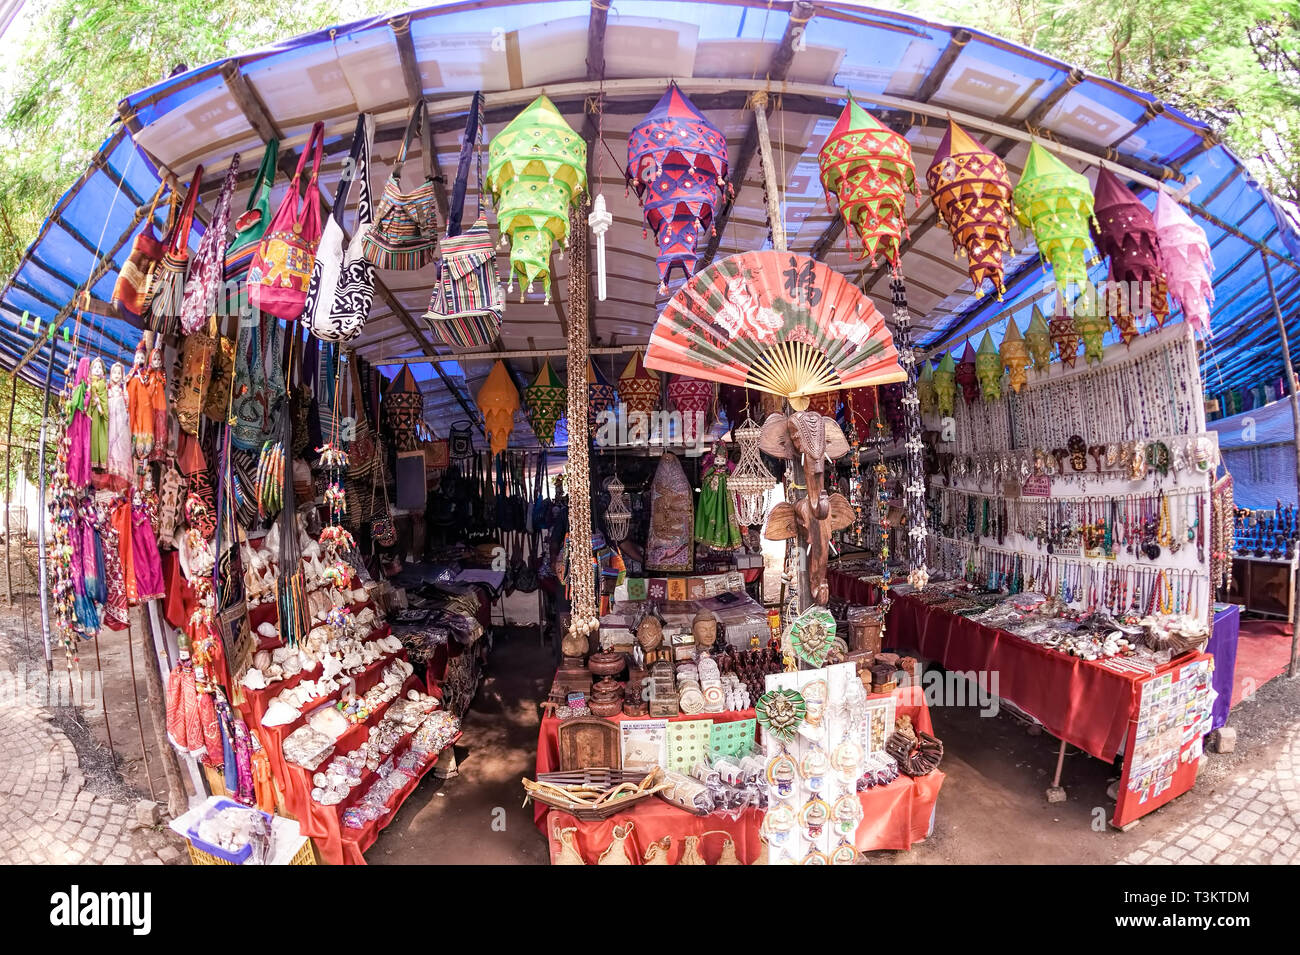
column 343, row 282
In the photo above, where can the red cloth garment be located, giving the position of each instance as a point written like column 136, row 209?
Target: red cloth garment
column 214, row 754
column 121, row 521
column 184, row 724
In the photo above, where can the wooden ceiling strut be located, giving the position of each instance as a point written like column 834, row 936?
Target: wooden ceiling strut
column 778, row 69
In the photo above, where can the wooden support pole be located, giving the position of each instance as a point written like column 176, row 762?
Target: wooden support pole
column 770, row 187
column 177, row 797
column 1295, row 423
column 9, row 484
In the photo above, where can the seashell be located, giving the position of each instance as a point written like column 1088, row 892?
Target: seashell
column 254, row 679
column 262, row 659
column 320, row 780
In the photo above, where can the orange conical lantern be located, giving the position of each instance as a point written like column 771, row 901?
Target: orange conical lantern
column 498, row 399
column 972, row 192
column 1015, row 355
column 639, row 386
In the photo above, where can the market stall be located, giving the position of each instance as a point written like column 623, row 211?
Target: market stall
column 358, row 420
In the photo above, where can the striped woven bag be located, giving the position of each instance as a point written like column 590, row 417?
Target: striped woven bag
column 404, row 235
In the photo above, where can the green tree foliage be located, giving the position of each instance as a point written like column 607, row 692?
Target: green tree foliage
column 1233, row 65
column 80, row 57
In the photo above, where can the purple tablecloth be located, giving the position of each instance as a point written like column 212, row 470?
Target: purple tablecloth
column 1223, row 645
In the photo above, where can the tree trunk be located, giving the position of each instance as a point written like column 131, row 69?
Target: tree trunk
column 177, row 796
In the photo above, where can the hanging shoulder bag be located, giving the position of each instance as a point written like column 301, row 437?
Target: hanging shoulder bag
column 405, row 231
column 343, row 282
column 208, row 267
column 361, row 452
column 169, row 286
column 281, row 269
column 135, row 282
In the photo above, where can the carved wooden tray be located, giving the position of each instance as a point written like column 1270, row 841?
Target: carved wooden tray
column 587, row 741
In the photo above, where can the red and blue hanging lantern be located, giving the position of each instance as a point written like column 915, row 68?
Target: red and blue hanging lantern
column 677, row 163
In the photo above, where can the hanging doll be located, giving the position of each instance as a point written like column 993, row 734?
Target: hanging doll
column 139, row 399
column 144, row 545
column 119, row 424
column 158, row 401
column 79, row 427
column 115, row 605
column 97, row 408
column 715, row 516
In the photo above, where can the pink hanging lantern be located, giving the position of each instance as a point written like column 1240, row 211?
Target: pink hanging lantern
column 1185, row 256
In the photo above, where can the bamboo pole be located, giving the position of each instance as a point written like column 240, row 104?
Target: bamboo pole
column 9, row 484
column 177, row 798
column 1295, row 423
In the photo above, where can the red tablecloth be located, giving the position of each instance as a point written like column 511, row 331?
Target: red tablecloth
column 896, row 815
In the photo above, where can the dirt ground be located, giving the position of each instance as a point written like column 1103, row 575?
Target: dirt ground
column 992, row 808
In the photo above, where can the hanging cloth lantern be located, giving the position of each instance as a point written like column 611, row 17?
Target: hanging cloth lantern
column 972, row 191
column 498, row 400
column 601, row 395
column 751, row 480
column 945, row 384
column 1039, row 340
column 536, row 166
column 617, row 513
column 1014, row 354
column 1185, row 257
column 403, row 410
column 677, row 163
column 544, row 401
column 1065, row 335
column 1092, row 328
column 1055, row 202
column 639, row 386
column 691, row 397
column 925, row 394
column 868, row 167
column 966, row 377
column 1126, row 234
column 988, row 369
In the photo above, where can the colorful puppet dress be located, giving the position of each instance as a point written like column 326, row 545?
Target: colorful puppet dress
column 144, row 549
column 158, row 404
column 715, row 517
column 119, row 426
column 97, row 408
column 139, row 399
column 115, row 604
column 79, row 428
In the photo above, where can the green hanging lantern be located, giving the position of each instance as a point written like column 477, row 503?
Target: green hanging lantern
column 537, row 165
column 925, row 388
column 988, row 369
column 545, row 401
column 1055, row 203
column 1092, row 329
column 1039, row 340
column 945, row 384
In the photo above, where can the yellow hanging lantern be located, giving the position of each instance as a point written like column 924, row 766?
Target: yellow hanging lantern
column 1015, row 356
column 537, row 165
column 925, row 388
column 1039, row 340
column 498, row 399
column 945, row 384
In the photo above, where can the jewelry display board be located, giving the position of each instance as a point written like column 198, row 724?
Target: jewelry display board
column 813, row 808
column 1091, row 485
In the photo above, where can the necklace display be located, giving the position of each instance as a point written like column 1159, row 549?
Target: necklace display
column 1089, row 486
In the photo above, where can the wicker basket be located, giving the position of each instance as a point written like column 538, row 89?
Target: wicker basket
column 304, row 856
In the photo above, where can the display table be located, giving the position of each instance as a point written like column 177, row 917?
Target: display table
column 895, row 816
column 1080, row 702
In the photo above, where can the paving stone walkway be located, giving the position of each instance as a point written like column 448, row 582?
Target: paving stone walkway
column 48, row 815
column 1256, row 820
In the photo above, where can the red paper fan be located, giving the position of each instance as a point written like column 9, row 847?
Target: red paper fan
column 777, row 322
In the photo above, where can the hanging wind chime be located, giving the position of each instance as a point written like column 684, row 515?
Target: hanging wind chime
column 1185, row 257
column 617, row 513
column 537, row 166
column 751, row 480
column 972, row 193
column 1055, row 203
column 677, row 163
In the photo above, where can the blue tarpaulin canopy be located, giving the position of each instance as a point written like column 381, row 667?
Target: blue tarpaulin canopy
column 912, row 73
